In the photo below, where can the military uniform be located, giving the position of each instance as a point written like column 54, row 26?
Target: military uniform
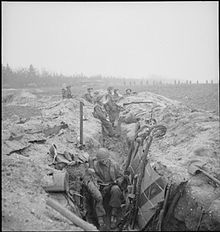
column 64, row 93
column 88, row 97
column 107, row 172
column 100, row 114
column 112, row 109
column 68, row 92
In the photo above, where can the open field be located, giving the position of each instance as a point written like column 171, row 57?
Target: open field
column 201, row 96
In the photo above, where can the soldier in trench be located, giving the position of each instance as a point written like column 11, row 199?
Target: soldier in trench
column 64, row 92
column 116, row 95
column 112, row 109
column 89, row 96
column 110, row 186
column 68, row 91
column 128, row 92
column 99, row 113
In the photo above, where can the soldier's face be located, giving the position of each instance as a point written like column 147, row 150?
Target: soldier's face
column 103, row 162
column 110, row 91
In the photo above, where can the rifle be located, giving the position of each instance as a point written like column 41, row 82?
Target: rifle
column 164, row 207
column 126, row 220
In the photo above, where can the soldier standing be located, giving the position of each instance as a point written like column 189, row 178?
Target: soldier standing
column 99, row 113
column 89, row 96
column 111, row 107
column 116, row 95
column 128, row 92
column 64, row 93
column 68, row 91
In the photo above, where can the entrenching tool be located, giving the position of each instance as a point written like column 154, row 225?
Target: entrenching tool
column 195, row 167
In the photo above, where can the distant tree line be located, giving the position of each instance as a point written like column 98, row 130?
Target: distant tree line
column 31, row 77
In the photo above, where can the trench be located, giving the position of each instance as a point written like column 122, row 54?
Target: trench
column 121, row 148
column 197, row 198
column 179, row 202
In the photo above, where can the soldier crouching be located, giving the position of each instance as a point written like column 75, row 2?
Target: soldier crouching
column 108, row 186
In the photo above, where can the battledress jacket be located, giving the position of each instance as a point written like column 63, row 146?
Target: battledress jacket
column 89, row 98
column 99, row 113
column 106, row 173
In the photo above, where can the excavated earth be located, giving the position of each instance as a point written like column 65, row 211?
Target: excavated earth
column 191, row 135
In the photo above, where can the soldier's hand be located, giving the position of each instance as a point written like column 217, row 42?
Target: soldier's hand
column 72, row 163
column 91, row 171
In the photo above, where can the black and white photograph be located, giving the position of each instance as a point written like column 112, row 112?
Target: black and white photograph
column 110, row 116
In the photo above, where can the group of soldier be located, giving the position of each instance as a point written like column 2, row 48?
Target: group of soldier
column 104, row 180
column 110, row 183
column 106, row 109
column 66, row 91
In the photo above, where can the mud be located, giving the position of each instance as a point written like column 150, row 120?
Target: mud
column 191, row 134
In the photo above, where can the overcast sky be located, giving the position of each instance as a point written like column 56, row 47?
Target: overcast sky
column 135, row 39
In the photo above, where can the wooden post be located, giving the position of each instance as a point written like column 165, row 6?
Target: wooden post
column 81, row 123
column 71, row 216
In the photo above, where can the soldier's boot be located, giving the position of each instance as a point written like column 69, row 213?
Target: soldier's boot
column 113, row 218
column 113, row 222
column 101, row 223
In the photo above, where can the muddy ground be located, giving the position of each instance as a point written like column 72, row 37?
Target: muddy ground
column 25, row 164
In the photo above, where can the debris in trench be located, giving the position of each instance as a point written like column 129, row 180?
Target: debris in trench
column 195, row 167
column 54, row 130
column 72, row 217
column 14, row 146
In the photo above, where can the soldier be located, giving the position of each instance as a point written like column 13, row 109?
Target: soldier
column 112, row 185
column 99, row 113
column 111, row 107
column 116, row 95
column 128, row 92
column 89, row 96
column 68, row 90
column 64, row 93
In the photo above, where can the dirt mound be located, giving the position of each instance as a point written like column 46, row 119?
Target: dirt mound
column 25, row 162
column 190, row 135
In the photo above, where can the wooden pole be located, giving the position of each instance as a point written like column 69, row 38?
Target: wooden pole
column 71, row 216
column 138, row 102
column 81, row 123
